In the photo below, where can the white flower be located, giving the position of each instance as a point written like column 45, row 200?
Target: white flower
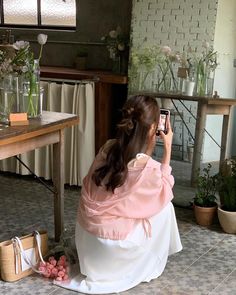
column 205, row 44
column 20, row 45
column 166, row 50
column 42, row 39
column 24, row 69
column 121, row 47
column 178, row 57
column 113, row 34
column 103, row 38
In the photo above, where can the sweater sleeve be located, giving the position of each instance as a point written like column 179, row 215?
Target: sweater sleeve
column 152, row 194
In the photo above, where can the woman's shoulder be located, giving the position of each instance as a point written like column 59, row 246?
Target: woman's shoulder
column 143, row 161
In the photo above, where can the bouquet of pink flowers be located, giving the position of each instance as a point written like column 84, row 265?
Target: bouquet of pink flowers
column 55, row 269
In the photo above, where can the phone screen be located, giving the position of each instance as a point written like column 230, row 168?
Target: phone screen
column 162, row 126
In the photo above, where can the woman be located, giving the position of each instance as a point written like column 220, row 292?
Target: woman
column 126, row 225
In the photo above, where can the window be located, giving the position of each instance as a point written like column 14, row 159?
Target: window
column 48, row 14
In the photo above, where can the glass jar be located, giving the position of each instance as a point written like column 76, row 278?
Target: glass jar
column 32, row 95
column 9, row 92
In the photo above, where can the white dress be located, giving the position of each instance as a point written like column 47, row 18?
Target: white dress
column 112, row 266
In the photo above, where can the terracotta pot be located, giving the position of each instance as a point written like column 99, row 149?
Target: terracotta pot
column 204, row 215
column 227, row 220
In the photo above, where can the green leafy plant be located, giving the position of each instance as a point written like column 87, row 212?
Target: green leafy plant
column 143, row 60
column 204, row 65
column 227, row 184
column 206, row 188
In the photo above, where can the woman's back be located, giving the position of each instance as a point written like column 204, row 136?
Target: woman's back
column 126, row 225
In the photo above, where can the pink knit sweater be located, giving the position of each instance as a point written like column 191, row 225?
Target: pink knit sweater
column 146, row 191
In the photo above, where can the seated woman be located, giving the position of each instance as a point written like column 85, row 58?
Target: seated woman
column 126, row 225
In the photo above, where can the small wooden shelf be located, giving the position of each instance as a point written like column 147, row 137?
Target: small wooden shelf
column 110, row 94
column 73, row 74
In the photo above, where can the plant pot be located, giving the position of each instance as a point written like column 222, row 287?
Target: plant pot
column 227, row 220
column 204, row 215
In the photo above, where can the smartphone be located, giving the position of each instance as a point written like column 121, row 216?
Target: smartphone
column 162, row 125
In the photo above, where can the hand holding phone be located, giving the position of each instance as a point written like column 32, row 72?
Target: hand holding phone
column 162, row 125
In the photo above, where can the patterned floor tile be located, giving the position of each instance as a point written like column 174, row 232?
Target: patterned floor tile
column 201, row 277
column 203, row 237
column 225, row 249
column 62, row 291
column 227, row 287
column 32, row 285
column 27, row 205
column 184, row 227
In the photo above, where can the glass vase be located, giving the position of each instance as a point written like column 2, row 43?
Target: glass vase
column 210, row 83
column 204, row 81
column 164, row 82
column 167, row 78
column 116, row 65
column 200, row 87
column 145, row 80
column 9, row 93
column 31, row 97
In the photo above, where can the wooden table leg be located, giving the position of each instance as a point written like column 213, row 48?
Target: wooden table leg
column 224, row 136
column 199, row 133
column 58, row 181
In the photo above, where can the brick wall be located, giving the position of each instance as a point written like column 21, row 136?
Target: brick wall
column 178, row 24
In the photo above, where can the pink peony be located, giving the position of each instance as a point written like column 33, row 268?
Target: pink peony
column 61, row 273
column 55, row 272
column 166, row 50
column 42, row 263
column 54, row 269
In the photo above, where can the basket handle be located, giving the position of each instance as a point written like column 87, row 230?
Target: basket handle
column 18, row 244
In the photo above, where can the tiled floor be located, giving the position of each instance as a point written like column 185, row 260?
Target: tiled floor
column 206, row 265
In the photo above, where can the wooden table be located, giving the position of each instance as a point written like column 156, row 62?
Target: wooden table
column 206, row 106
column 49, row 129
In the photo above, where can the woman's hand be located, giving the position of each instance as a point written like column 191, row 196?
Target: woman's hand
column 167, row 141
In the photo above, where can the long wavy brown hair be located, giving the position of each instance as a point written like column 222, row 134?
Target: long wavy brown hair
column 138, row 114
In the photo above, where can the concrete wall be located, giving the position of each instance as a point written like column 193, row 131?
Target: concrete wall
column 94, row 19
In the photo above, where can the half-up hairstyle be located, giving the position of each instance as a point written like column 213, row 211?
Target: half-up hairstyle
column 138, row 114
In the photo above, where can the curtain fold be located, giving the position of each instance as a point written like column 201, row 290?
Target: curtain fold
column 79, row 139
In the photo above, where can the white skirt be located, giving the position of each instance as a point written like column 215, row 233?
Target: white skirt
column 112, row 266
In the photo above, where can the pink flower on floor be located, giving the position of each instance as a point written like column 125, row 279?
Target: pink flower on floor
column 54, row 269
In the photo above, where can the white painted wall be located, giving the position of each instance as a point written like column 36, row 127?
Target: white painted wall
column 225, row 78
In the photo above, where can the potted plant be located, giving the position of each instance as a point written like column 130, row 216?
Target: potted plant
column 205, row 198
column 227, row 192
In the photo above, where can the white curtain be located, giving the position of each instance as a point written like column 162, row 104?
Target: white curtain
column 79, row 139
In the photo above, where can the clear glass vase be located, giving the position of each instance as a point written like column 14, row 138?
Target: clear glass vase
column 145, row 80
column 9, row 94
column 204, row 80
column 167, row 78
column 31, row 96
